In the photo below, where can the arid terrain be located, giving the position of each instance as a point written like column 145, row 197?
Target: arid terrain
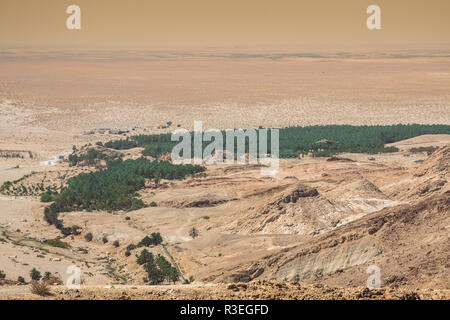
column 80, row 91
column 309, row 232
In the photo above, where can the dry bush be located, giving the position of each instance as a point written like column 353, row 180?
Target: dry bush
column 40, row 288
column 53, row 280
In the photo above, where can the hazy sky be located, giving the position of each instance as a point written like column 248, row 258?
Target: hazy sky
column 186, row 23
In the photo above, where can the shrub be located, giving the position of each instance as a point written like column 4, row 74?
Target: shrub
column 88, row 237
column 193, row 233
column 40, row 288
column 47, row 276
column 2, row 274
column 153, row 204
column 47, row 197
column 156, row 238
column 116, row 243
column 145, row 242
column 127, row 253
column 67, row 231
column 51, row 279
column 57, row 243
column 35, row 275
column 5, row 186
column 75, row 230
column 429, row 150
column 21, row 279
column 105, row 239
column 131, row 247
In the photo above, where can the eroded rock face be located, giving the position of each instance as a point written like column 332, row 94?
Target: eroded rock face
column 195, row 198
column 301, row 191
column 437, row 163
column 386, row 238
column 289, row 196
column 322, row 261
column 297, row 209
column 432, row 176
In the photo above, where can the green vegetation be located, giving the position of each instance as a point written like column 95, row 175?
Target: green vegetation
column 17, row 187
column 157, row 150
column 47, row 276
column 153, row 240
column 333, row 139
column 92, row 155
column 35, row 275
column 21, row 279
column 115, row 188
column 112, row 189
column 144, row 257
column 131, row 247
column 153, row 204
column 24, row 187
column 158, row 269
column 319, row 140
column 57, row 243
column 17, row 154
column 2, row 275
column 88, row 237
column 154, row 145
column 121, row 144
column 5, row 186
column 116, row 243
column 48, row 196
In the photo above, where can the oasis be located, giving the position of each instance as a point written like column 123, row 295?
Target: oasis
column 214, row 153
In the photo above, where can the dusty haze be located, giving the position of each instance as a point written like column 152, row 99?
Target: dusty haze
column 200, row 23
